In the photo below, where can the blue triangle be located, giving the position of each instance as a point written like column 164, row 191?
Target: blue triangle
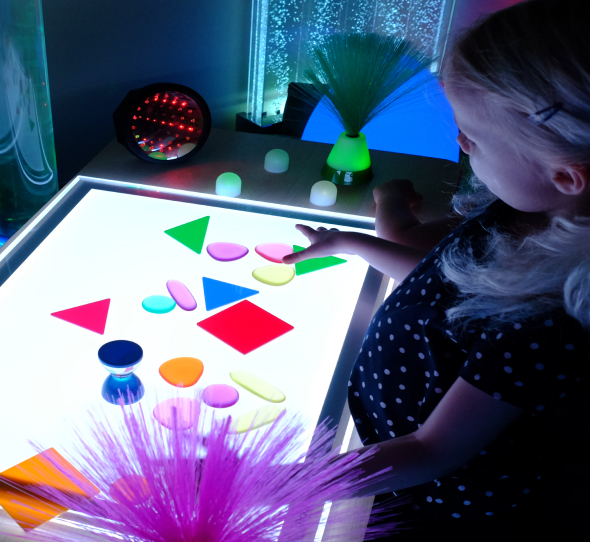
column 218, row 293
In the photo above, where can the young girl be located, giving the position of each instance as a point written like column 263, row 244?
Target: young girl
column 486, row 338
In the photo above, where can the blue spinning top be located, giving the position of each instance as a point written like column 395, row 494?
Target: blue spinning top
column 121, row 358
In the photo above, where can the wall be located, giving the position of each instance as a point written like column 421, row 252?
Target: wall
column 99, row 50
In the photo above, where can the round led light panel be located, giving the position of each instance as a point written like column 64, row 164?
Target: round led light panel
column 163, row 122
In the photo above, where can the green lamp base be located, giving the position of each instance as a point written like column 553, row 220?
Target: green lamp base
column 341, row 177
column 349, row 162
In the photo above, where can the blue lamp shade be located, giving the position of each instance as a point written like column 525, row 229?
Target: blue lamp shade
column 163, row 122
column 422, row 124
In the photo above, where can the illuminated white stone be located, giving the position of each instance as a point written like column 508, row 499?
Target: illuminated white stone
column 228, row 184
column 276, row 161
column 323, row 193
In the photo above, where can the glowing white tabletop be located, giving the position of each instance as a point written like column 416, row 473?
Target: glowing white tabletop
column 101, row 239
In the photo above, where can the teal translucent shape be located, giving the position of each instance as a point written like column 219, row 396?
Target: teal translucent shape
column 158, row 304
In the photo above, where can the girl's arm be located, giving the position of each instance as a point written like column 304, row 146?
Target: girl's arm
column 390, row 258
column 459, row 428
column 402, row 240
column 395, row 221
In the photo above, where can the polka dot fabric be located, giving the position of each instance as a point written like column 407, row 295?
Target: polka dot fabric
column 532, row 365
column 410, row 357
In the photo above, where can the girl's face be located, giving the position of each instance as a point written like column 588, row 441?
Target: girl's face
column 497, row 158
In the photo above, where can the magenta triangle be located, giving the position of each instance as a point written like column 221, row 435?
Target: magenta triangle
column 92, row 316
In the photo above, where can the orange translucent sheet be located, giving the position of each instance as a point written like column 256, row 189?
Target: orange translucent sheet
column 29, row 510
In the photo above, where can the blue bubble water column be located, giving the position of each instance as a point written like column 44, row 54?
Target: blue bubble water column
column 28, row 176
column 281, row 30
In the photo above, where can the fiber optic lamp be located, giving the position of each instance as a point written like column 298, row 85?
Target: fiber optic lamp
column 162, row 122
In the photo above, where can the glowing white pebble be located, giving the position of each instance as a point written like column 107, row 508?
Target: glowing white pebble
column 228, row 184
column 276, row 161
column 323, row 193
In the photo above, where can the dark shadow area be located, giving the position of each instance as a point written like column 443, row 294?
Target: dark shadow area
column 98, row 51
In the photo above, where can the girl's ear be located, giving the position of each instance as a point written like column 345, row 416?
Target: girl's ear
column 572, row 180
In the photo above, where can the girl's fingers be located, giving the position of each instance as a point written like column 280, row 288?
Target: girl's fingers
column 293, row 258
column 305, row 230
column 310, row 233
column 317, row 248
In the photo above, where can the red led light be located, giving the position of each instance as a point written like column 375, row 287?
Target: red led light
column 183, row 116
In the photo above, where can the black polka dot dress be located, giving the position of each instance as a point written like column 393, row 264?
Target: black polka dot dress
column 410, row 357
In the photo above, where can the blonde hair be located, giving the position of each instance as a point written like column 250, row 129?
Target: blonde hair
column 521, row 60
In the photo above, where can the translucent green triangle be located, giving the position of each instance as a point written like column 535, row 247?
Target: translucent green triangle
column 315, row 264
column 191, row 234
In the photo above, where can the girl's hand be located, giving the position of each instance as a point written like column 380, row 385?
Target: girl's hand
column 323, row 243
column 390, row 258
column 401, row 190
